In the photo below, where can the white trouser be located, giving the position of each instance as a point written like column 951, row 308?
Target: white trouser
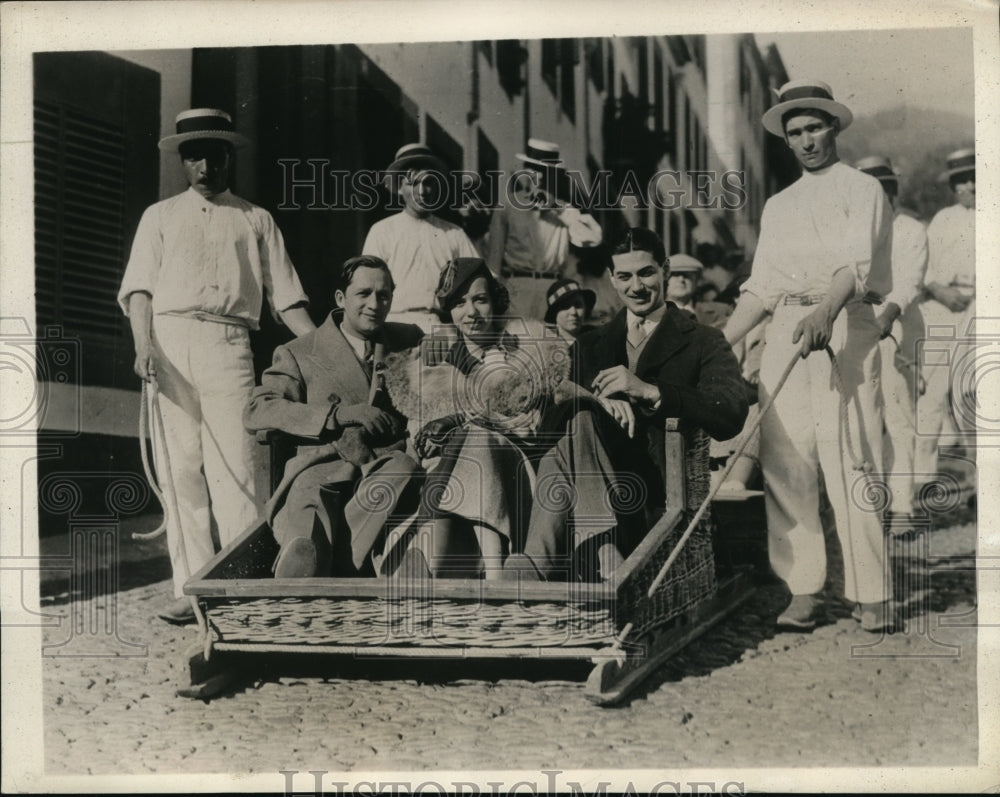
column 803, row 436
column 204, row 371
column 945, row 360
column 900, row 388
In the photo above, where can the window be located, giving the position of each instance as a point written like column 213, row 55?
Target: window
column 687, row 133
column 488, row 161
column 694, row 145
column 657, row 91
column 569, row 57
column 559, row 59
column 510, row 64
column 595, row 63
column 671, row 113
column 642, row 55
column 79, row 235
column 550, row 62
column 698, row 52
column 744, row 75
column 486, row 48
column 96, row 121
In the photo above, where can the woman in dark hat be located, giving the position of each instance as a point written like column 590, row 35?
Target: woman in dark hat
column 569, row 307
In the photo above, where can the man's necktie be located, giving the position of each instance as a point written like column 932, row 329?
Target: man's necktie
column 369, row 359
column 636, row 333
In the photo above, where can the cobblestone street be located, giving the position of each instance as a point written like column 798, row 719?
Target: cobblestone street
column 741, row 696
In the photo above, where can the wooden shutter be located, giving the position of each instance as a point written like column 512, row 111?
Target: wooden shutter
column 96, row 123
column 79, row 220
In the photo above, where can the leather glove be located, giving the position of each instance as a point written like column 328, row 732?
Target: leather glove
column 432, row 438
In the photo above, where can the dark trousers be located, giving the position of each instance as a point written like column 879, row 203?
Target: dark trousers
column 596, row 484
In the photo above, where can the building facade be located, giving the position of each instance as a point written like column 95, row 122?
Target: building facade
column 637, row 119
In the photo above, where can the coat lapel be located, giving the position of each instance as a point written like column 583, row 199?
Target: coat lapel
column 611, row 348
column 331, row 347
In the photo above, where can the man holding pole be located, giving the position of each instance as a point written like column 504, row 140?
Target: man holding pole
column 822, row 261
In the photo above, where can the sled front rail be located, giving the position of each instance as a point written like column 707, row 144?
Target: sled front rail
column 243, row 608
column 256, row 611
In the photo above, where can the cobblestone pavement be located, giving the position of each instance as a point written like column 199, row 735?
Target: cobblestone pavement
column 741, row 696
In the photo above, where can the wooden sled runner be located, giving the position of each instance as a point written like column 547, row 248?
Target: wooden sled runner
column 625, row 628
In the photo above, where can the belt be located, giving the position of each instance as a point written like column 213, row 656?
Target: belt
column 201, row 315
column 802, row 299
column 805, row 299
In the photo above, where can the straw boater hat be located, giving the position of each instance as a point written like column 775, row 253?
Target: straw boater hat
column 812, row 94
column 561, row 292
column 878, row 166
column 203, row 123
column 541, row 153
column 959, row 162
column 681, row 264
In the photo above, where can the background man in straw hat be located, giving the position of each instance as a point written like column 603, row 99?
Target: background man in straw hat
column 824, row 249
column 531, row 233
column 415, row 243
column 949, row 303
column 200, row 266
column 901, row 326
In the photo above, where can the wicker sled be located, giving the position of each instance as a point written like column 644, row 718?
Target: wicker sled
column 626, row 631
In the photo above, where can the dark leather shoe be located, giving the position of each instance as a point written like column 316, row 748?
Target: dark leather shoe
column 800, row 614
column 180, row 612
column 520, row 567
column 297, row 559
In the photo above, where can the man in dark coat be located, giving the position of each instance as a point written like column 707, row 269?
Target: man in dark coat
column 325, row 387
column 650, row 362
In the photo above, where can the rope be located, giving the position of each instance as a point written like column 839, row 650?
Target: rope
column 858, row 462
column 147, row 398
column 693, row 524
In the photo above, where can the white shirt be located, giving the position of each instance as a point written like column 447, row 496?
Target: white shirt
column 538, row 240
column 218, row 255
column 417, row 251
column 909, row 260
column 357, row 344
column 821, row 223
column 951, row 240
